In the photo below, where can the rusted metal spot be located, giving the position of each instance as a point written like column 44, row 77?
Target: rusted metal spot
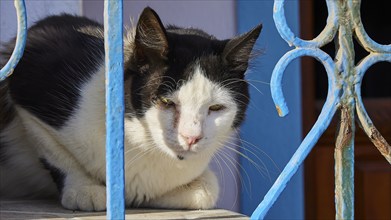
column 344, row 129
column 279, row 110
column 380, row 143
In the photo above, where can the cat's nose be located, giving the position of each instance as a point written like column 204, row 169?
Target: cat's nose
column 191, row 140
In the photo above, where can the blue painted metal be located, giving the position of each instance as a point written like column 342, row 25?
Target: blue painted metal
column 362, row 115
column 320, row 126
column 344, row 145
column 286, row 33
column 115, row 109
column 344, row 94
column 261, row 115
column 20, row 40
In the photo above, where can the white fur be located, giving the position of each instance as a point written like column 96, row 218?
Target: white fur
column 154, row 174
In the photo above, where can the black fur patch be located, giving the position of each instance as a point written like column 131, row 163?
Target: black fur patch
column 57, row 175
column 62, row 52
column 7, row 110
column 7, row 114
column 3, row 152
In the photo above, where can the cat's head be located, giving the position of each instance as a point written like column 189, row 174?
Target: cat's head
column 187, row 87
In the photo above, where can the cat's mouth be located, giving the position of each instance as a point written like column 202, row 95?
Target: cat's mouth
column 181, row 153
column 185, row 154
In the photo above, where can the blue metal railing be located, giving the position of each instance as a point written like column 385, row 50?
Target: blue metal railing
column 344, row 94
column 20, row 40
column 115, row 109
column 114, row 97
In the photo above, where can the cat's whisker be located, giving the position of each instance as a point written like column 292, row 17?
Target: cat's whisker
column 180, row 83
column 258, row 149
column 250, row 104
column 245, row 144
column 238, row 168
column 223, row 83
column 248, row 144
column 139, row 150
column 256, row 88
column 237, row 80
column 215, row 159
column 158, row 81
column 231, row 142
column 139, row 147
column 137, row 157
column 223, row 157
column 261, row 169
column 222, row 178
column 258, row 81
column 257, row 162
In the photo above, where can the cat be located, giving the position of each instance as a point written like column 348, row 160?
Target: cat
column 185, row 94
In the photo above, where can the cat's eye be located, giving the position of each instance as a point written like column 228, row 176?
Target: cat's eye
column 216, row 108
column 166, row 101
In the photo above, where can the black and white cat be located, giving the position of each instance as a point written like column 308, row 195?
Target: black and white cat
column 185, row 95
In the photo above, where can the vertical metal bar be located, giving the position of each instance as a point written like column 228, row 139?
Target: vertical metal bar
column 344, row 165
column 114, row 109
column 20, row 40
column 344, row 148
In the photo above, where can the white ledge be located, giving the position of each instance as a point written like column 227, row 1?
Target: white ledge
column 46, row 209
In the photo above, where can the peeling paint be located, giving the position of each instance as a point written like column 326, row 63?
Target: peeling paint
column 279, row 110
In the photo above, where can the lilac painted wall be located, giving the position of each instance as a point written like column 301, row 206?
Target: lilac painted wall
column 36, row 10
column 215, row 17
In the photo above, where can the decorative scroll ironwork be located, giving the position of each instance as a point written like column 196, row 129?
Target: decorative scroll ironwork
column 21, row 14
column 344, row 94
column 115, row 109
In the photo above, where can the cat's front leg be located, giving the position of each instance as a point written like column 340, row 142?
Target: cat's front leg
column 82, row 193
column 201, row 193
column 78, row 191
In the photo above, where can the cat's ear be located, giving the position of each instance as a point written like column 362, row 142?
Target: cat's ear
column 150, row 41
column 237, row 51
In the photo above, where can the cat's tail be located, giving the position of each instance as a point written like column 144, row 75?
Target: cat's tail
column 7, row 109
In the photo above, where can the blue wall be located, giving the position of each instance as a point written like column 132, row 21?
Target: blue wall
column 275, row 138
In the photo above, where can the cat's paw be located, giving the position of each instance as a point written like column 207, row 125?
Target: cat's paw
column 85, row 198
column 203, row 192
